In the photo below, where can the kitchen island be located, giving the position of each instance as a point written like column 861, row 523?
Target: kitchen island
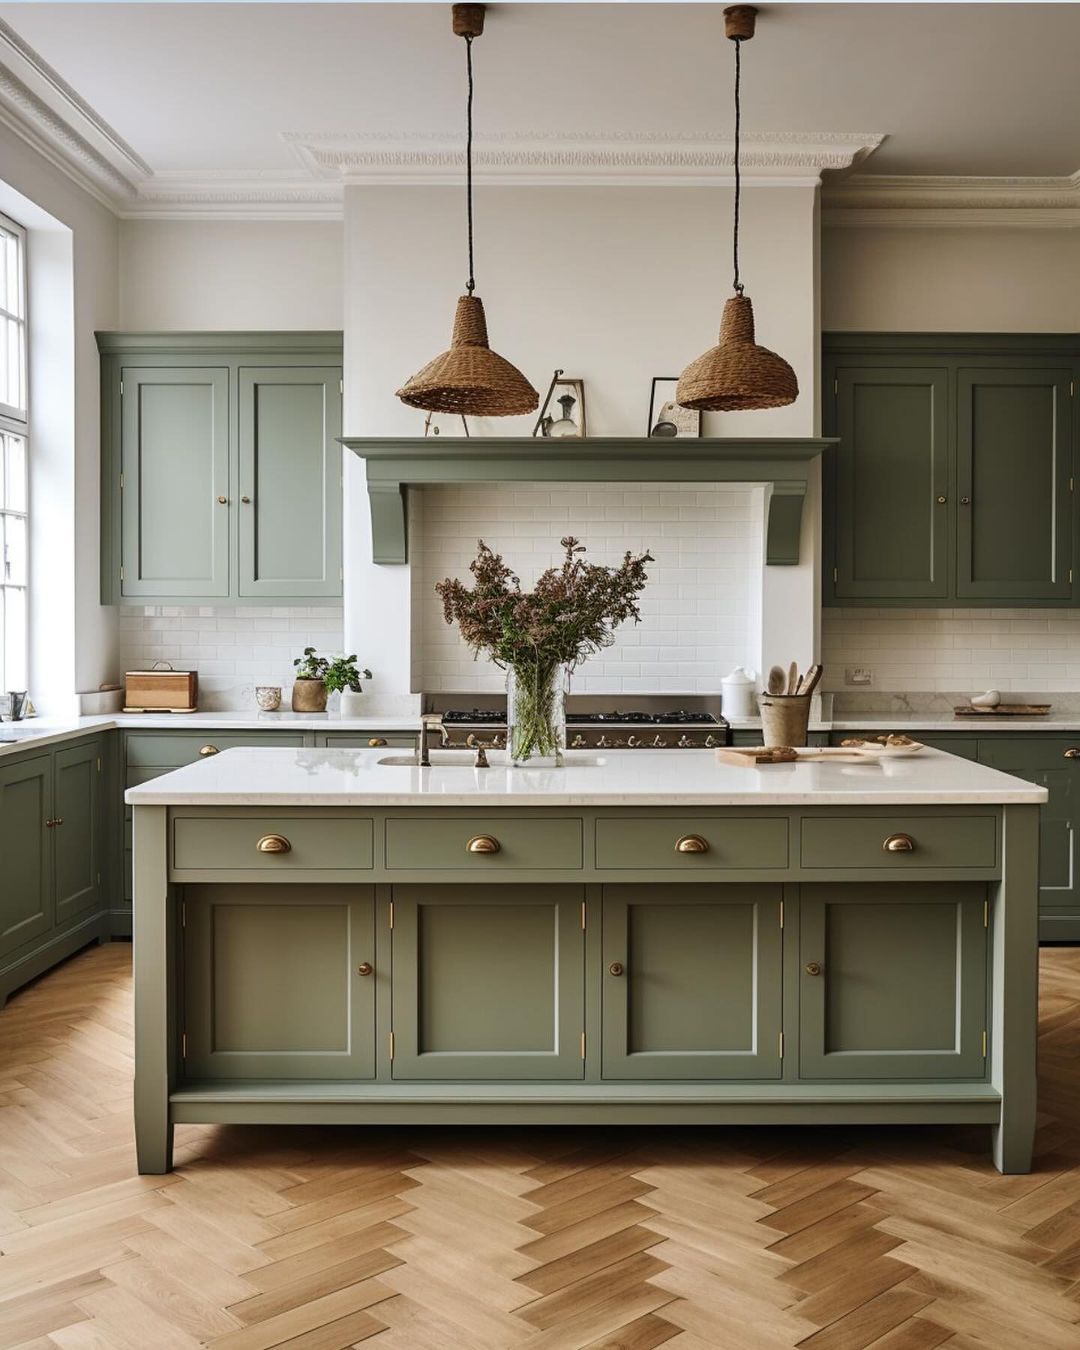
column 326, row 935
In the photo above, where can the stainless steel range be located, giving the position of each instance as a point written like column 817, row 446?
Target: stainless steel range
column 594, row 722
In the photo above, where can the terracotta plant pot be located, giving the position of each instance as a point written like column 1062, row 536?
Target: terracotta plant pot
column 309, row 696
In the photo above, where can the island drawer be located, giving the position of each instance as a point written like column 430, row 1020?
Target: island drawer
column 483, row 843
column 703, row 844
column 294, row 843
column 174, row 749
column 892, row 843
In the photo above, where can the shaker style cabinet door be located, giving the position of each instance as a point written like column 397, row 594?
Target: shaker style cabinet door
column 290, row 481
column 488, row 982
column 175, row 496
column 76, row 835
column 692, row 982
column 1014, row 508
column 892, row 981
column 273, row 981
column 26, row 904
column 891, row 518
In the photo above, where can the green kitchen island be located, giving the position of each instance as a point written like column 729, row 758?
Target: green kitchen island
column 338, row 936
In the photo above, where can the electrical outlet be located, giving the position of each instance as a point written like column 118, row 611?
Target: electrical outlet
column 858, row 675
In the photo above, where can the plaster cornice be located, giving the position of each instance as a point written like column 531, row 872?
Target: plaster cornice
column 916, row 201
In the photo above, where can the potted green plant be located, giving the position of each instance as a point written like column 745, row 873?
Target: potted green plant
column 309, row 689
column 343, row 676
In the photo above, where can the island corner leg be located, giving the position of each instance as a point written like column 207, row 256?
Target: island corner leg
column 1015, row 986
column 156, row 1048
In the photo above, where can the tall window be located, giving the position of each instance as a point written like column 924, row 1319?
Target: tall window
column 14, row 428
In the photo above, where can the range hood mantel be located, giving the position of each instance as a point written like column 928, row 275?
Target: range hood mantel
column 396, row 464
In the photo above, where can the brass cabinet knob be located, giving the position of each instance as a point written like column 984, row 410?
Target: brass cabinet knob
column 965, row 501
column 377, row 741
column 813, row 967
column 691, row 843
column 1072, row 753
column 898, row 843
column 364, row 968
column 246, row 501
column 205, row 750
column 273, row 843
column 616, row 968
column 942, row 501
column 223, row 501
column 483, row 843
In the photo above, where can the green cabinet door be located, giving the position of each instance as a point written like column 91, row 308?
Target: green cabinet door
column 272, row 978
column 891, row 519
column 692, row 982
column 175, row 496
column 76, row 837
column 488, row 984
column 1014, row 461
column 26, row 906
column 892, row 981
column 290, row 481
column 1046, row 760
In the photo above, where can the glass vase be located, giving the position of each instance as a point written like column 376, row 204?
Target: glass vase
column 536, row 713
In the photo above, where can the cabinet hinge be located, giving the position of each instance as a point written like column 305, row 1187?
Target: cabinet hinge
column 781, row 913
column 984, row 1044
column 582, row 1045
column 986, row 913
column 121, row 388
column 183, row 1045
column 121, row 571
column 583, row 916
column 341, row 386
column 391, row 914
column 781, row 1045
column 391, row 1045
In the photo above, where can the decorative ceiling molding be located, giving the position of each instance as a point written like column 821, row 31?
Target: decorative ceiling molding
column 915, row 201
column 553, row 158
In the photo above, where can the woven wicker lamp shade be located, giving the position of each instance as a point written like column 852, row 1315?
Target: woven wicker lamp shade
column 470, row 378
column 737, row 374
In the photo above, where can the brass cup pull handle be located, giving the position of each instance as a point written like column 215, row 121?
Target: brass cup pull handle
column 1073, row 752
column 898, row 843
column 205, row 750
column 364, row 968
column 616, row 968
column 273, row 843
column 691, row 843
column 483, row 843
column 813, row 967
column 377, row 741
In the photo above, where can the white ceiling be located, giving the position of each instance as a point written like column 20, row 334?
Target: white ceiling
column 962, row 89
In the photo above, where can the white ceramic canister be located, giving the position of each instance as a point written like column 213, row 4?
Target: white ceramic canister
column 739, row 696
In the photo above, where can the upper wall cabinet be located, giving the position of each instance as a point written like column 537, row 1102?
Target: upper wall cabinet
column 952, row 482
column 221, row 467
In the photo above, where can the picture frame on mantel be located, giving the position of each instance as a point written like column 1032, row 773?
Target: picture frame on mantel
column 668, row 419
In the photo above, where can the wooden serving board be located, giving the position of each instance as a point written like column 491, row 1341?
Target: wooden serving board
column 1005, row 710
column 751, row 755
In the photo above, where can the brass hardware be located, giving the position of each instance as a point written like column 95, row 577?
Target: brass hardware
column 223, row 501
column 984, row 1044
column 391, row 1045
column 50, row 823
column 583, row 916
column 781, row 1045
column 59, row 820
column 246, row 500
column 941, row 501
column 616, row 968
column 482, row 843
column 273, row 843
column 691, row 843
column 377, row 741
column 781, row 913
column 986, row 913
column 364, row 968
column 481, row 761
column 965, row 501
column 1073, row 752
column 898, row 843
column 205, row 750
column 813, row 967
column 582, row 1045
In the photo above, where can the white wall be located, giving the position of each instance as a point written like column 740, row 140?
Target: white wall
column 950, row 280
column 221, row 274
column 74, row 284
column 614, row 285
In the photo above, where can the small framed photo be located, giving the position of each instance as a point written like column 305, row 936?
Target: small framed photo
column 666, row 417
column 564, row 412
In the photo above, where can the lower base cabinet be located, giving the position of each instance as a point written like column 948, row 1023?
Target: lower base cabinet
column 691, row 982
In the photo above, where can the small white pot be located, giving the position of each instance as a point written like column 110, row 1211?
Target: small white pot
column 353, row 704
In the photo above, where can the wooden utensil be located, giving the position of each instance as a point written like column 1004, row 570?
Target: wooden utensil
column 750, row 755
column 775, row 683
column 1005, row 710
column 811, row 678
column 792, row 677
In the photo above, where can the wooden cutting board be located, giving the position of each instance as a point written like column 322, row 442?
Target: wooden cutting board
column 1005, row 710
column 750, row 755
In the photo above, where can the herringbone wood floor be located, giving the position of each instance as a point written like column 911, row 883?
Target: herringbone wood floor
column 319, row 1239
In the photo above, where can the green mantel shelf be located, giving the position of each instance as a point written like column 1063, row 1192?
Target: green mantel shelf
column 394, row 465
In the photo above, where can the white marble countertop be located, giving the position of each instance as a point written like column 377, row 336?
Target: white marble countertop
column 294, row 777
column 928, row 722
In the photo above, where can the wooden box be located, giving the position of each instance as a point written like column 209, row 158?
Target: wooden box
column 161, row 691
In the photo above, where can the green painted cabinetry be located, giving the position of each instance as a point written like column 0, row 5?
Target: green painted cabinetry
column 221, row 467
column 952, row 479
column 692, row 982
column 78, row 803
column 26, row 911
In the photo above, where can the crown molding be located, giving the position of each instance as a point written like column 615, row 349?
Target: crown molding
column 556, row 158
column 913, row 202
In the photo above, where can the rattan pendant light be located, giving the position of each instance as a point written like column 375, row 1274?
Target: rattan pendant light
column 737, row 374
column 470, row 379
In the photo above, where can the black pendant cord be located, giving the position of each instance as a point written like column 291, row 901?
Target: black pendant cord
column 470, row 285
column 738, row 173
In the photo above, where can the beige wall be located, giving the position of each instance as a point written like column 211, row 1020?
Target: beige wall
column 950, row 280
column 222, row 274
